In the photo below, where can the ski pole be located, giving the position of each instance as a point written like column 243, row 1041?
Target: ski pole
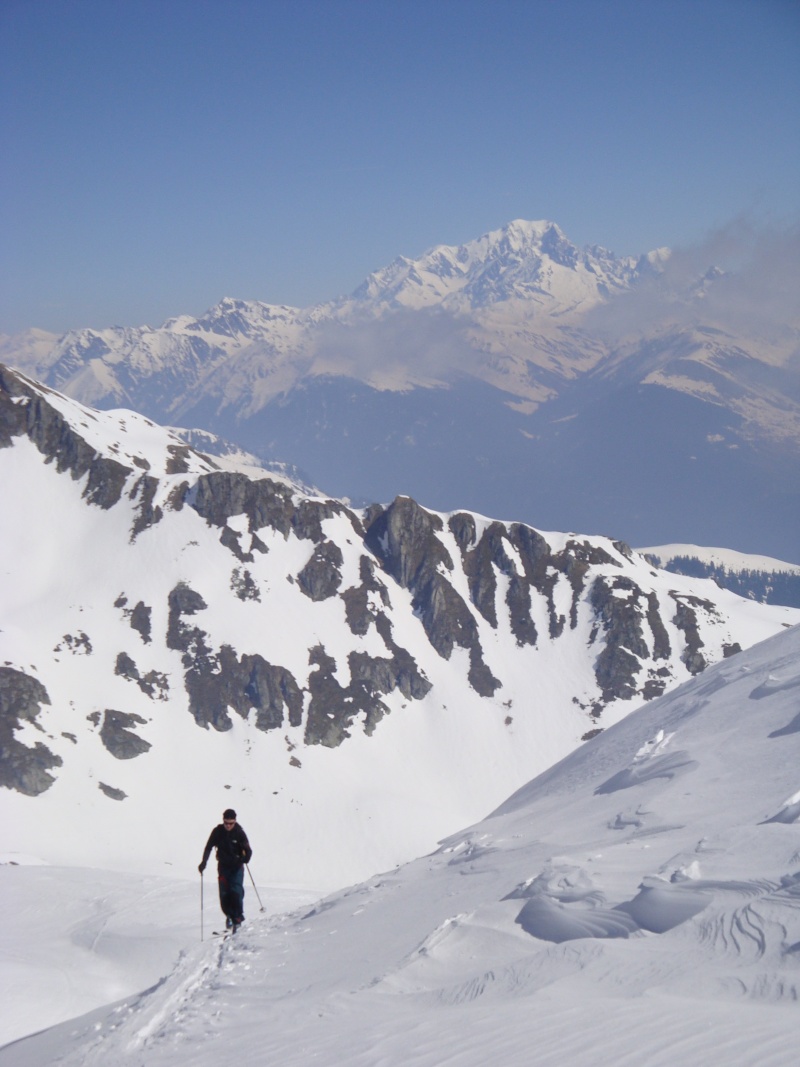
column 201, row 905
column 247, row 865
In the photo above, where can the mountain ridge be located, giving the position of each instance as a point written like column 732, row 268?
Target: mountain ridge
column 291, row 643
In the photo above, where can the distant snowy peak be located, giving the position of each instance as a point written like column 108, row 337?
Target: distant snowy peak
column 28, row 347
column 523, row 260
column 244, row 319
column 524, row 270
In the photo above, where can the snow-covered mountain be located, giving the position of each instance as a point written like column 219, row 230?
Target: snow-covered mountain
column 181, row 632
column 637, row 902
column 530, row 261
column 515, row 374
column 759, row 577
column 524, row 271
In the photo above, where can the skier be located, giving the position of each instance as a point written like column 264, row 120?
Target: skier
column 233, row 852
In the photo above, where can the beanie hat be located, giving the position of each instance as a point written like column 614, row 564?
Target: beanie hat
column 229, row 813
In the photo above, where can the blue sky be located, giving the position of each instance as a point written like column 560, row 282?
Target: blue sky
column 160, row 154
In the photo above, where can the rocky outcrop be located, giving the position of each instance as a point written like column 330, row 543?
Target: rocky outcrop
column 144, row 491
column 111, row 791
column 575, row 562
column 361, row 608
column 25, row 410
column 480, row 559
column 525, row 559
column 622, row 609
column 178, row 462
column 118, row 737
column 404, row 673
column 153, row 684
column 403, row 537
column 78, row 644
column 266, row 503
column 185, row 601
column 23, row 768
column 244, row 585
column 334, row 708
column 140, row 621
column 217, row 682
column 321, row 576
column 686, row 608
column 139, row 617
column 224, row 682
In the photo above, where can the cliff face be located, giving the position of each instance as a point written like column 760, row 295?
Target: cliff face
column 154, row 595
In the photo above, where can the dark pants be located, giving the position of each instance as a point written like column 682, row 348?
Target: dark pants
column 231, row 892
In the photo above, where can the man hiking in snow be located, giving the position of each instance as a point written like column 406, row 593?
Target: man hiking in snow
column 233, row 852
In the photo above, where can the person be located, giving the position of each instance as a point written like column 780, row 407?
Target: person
column 233, row 852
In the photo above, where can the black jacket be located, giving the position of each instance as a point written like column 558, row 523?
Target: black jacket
column 233, row 848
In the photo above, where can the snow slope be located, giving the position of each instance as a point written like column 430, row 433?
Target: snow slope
column 638, row 902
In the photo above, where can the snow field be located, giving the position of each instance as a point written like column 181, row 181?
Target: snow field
column 501, row 942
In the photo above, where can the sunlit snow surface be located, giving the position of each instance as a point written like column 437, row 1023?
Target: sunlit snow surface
column 639, row 903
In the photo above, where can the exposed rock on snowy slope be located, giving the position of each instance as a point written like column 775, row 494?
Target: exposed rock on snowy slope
column 509, row 358
column 157, row 600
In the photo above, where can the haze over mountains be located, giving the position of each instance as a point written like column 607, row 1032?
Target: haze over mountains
column 655, row 399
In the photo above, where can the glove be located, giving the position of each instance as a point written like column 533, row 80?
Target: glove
column 201, row 867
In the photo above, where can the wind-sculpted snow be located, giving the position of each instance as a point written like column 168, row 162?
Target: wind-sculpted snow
column 549, row 928
column 650, row 762
column 548, row 920
column 789, row 810
column 661, row 907
column 365, row 680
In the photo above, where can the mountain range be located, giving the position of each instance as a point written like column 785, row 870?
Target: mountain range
column 516, row 375
column 361, row 681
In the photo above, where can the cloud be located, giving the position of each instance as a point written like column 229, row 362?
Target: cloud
column 400, row 348
column 756, row 294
